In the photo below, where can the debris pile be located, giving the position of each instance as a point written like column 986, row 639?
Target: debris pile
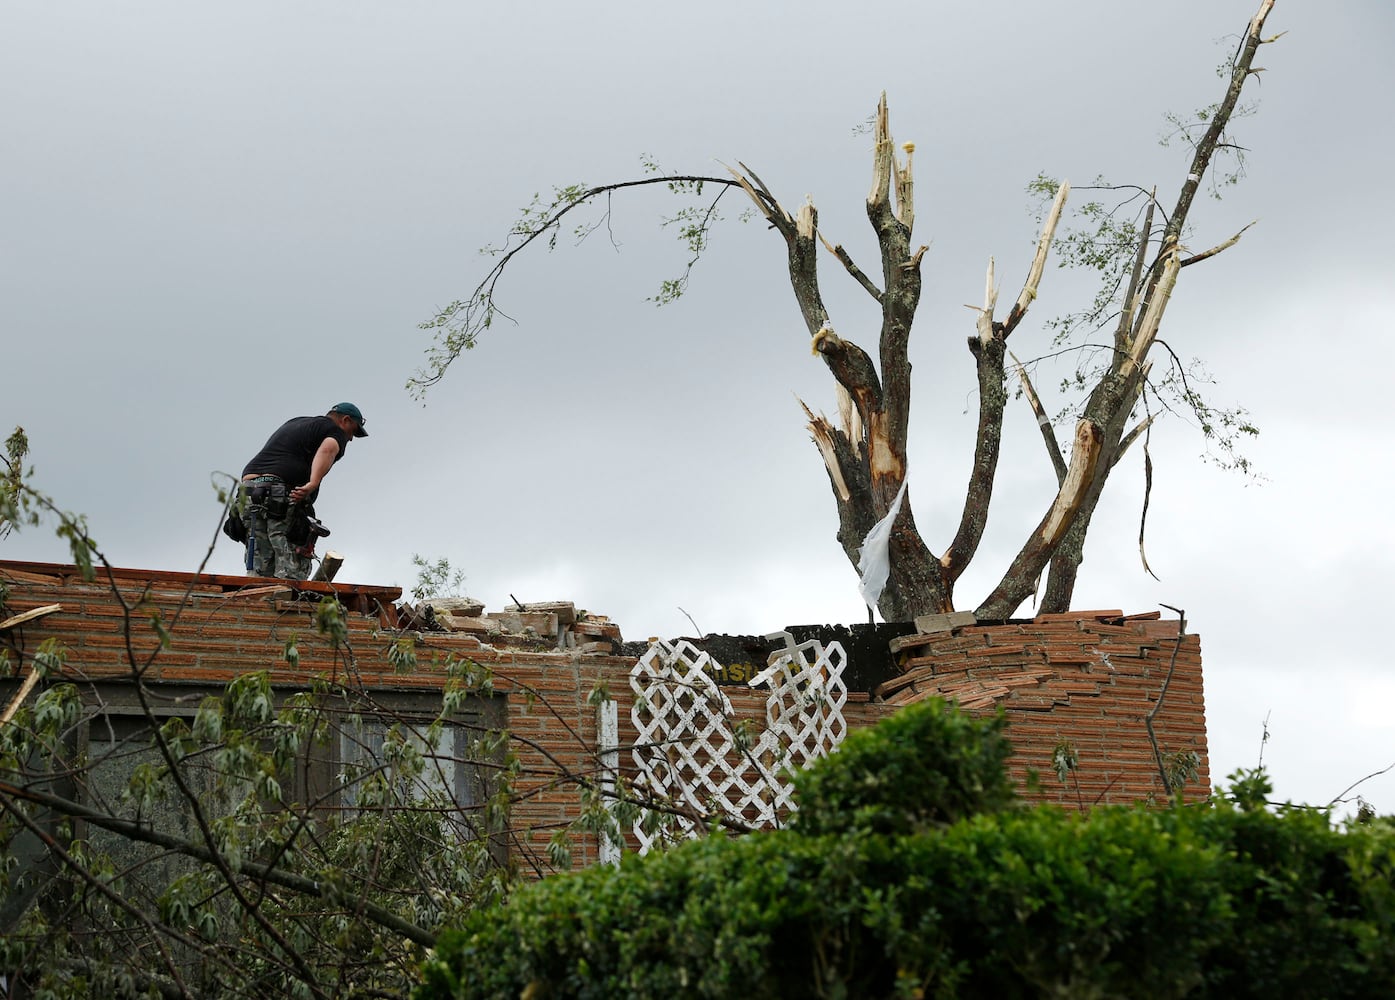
column 551, row 625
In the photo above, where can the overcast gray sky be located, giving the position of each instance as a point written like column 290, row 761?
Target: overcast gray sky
column 218, row 216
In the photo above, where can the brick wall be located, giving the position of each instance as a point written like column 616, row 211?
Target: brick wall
column 1083, row 681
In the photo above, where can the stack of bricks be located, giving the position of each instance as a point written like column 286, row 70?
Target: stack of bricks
column 536, row 625
column 1074, row 687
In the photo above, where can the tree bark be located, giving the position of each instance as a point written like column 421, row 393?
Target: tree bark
column 865, row 456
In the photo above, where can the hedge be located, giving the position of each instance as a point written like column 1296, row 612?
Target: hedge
column 1227, row 900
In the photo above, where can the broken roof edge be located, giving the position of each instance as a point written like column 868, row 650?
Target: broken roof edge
column 558, row 629
column 361, row 598
column 590, row 633
column 19, row 570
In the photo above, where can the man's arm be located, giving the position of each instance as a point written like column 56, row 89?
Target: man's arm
column 319, row 468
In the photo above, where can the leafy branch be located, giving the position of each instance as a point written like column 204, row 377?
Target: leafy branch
column 457, row 326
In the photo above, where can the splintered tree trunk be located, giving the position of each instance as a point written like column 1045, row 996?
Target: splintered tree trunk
column 916, row 584
column 864, row 447
column 865, row 450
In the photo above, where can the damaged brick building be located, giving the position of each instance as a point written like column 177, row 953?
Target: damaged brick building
column 1080, row 691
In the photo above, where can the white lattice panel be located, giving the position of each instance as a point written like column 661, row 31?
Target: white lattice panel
column 686, row 749
column 807, row 695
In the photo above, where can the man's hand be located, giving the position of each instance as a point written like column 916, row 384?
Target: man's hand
column 319, row 468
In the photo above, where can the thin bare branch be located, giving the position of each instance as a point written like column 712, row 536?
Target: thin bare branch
column 1342, row 795
column 1131, row 294
column 1197, row 258
column 765, row 202
column 458, row 324
column 1048, row 433
column 765, row 191
column 857, row 273
column 1132, row 436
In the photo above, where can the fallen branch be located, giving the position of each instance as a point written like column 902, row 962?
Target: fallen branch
column 30, row 615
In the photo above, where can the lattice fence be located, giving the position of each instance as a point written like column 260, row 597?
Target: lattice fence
column 689, row 751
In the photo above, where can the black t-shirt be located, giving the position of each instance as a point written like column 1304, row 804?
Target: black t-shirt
column 288, row 453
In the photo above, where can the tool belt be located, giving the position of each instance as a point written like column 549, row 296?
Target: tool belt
column 270, row 495
column 234, row 527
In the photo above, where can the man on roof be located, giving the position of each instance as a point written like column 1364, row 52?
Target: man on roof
column 281, row 482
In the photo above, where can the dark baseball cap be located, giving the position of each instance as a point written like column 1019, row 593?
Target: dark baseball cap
column 350, row 410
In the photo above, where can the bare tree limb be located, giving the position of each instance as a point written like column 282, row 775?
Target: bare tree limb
column 1342, row 795
column 857, row 273
column 1128, row 439
column 1131, row 303
column 1241, row 70
column 459, row 323
column 1197, row 258
column 1041, row 544
column 1048, row 433
column 852, row 368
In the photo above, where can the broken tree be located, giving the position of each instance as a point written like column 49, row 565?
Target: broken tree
column 864, row 449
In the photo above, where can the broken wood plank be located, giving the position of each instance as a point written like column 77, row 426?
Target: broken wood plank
column 30, row 615
column 256, row 592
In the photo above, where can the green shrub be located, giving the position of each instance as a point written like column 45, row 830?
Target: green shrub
column 925, row 766
column 1311, row 904
column 895, row 900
